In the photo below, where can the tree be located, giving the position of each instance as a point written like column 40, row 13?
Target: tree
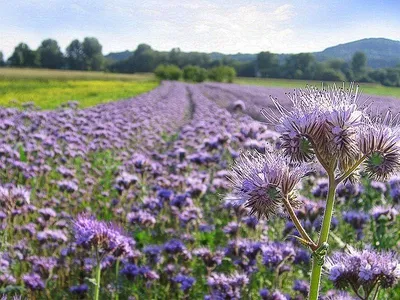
column 300, row 66
column 175, row 57
column 144, row 59
column 359, row 64
column 23, row 56
column 94, row 59
column 50, row 55
column 392, row 77
column 2, row 63
column 75, row 56
column 268, row 64
column 330, row 74
column 221, row 74
column 168, row 72
column 194, row 73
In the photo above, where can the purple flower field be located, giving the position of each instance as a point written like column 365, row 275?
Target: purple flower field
column 127, row 200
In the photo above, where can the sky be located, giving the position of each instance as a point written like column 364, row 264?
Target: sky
column 246, row 26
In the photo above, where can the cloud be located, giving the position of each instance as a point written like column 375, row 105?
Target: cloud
column 199, row 25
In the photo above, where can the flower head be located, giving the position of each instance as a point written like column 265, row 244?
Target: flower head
column 363, row 268
column 90, row 232
column 261, row 182
column 379, row 141
column 12, row 196
column 322, row 122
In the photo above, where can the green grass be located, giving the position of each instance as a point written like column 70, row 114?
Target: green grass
column 48, row 89
column 366, row 88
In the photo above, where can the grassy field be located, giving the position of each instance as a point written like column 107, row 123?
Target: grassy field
column 49, row 89
column 366, row 88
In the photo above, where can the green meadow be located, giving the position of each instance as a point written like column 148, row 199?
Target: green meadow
column 366, row 88
column 48, row 89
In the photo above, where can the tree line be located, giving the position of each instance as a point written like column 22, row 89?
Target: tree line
column 305, row 66
column 87, row 55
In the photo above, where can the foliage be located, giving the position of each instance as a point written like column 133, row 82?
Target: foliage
column 50, row 55
column 168, row 72
column 222, row 74
column 268, row 64
column 2, row 63
column 94, row 60
column 330, row 64
column 75, row 56
column 194, row 74
column 359, row 64
column 23, row 56
column 332, row 75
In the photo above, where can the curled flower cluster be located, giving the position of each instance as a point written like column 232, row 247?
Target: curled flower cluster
column 12, row 196
column 329, row 124
column 364, row 269
column 226, row 286
column 262, row 182
column 107, row 237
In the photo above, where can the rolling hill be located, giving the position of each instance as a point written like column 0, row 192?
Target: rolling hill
column 381, row 53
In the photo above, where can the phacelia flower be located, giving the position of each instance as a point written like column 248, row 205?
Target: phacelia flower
column 363, row 269
column 12, row 196
column 261, row 181
column 186, row 282
column 322, row 123
column 33, row 281
column 379, row 143
column 90, row 232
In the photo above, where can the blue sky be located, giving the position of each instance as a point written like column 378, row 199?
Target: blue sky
column 246, row 26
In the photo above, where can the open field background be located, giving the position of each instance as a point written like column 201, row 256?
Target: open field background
column 365, row 88
column 48, row 89
column 157, row 166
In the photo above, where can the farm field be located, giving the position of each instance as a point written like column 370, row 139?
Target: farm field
column 48, row 89
column 157, row 167
column 365, row 88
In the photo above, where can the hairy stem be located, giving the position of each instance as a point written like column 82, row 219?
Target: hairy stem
column 98, row 273
column 376, row 293
column 323, row 237
column 116, row 279
column 298, row 225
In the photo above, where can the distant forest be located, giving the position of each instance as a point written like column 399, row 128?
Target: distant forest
column 87, row 55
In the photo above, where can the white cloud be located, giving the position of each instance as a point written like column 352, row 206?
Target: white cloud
column 201, row 25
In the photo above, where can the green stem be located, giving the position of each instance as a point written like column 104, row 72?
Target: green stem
column 376, row 293
column 326, row 224
column 351, row 170
column 98, row 273
column 116, row 279
column 298, row 225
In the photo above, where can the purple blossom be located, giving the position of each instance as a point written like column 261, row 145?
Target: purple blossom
column 382, row 212
column 364, row 268
column 357, row 220
column 79, row 289
column 261, row 181
column 174, row 247
column 301, row 286
column 186, row 282
column 153, row 253
column 227, row 285
column 89, row 232
column 33, row 281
